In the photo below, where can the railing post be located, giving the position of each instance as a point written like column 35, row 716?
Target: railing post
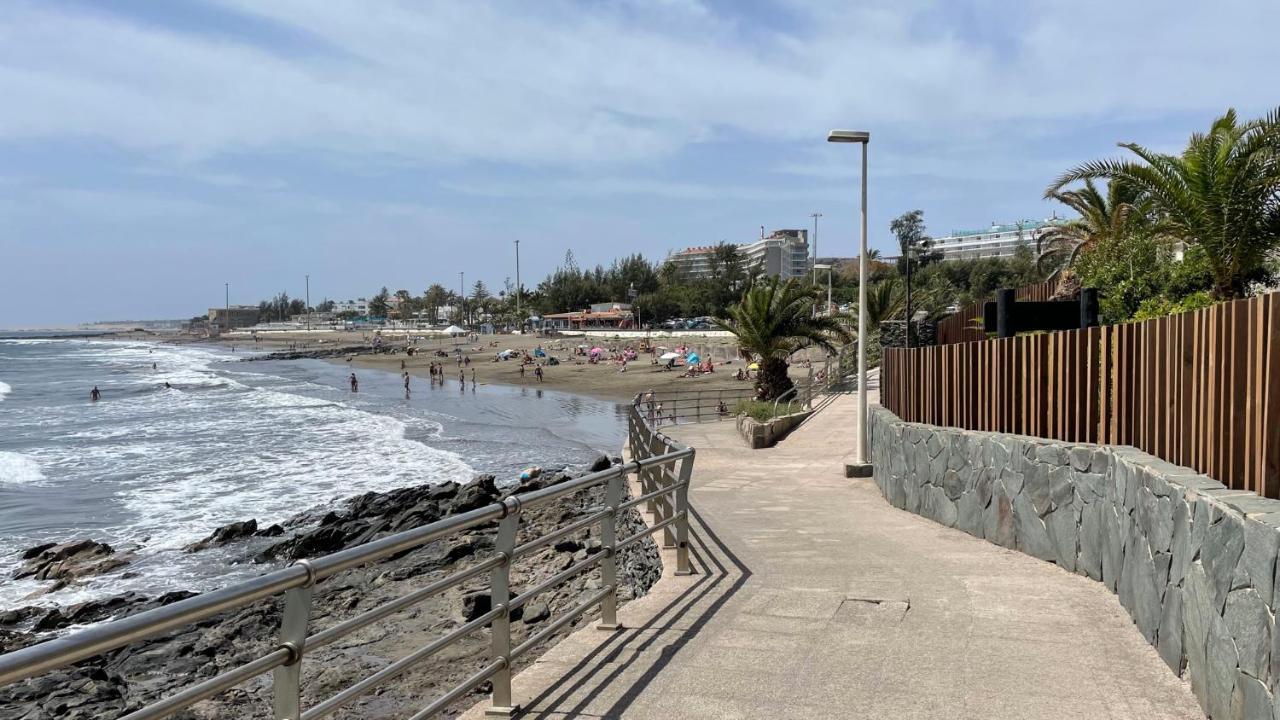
column 500, row 598
column 608, row 545
column 286, row 679
column 682, row 510
column 653, row 475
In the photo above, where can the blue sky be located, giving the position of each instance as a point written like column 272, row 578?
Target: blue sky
column 151, row 151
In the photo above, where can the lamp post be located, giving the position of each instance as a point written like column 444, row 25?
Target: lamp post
column 519, row 317
column 815, row 217
column 308, row 302
column 861, row 466
column 829, row 269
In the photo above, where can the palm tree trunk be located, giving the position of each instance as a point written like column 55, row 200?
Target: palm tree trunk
column 772, row 380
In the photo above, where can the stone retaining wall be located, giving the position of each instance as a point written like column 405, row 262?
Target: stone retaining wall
column 1193, row 562
column 765, row 434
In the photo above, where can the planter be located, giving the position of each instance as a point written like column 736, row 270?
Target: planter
column 765, row 434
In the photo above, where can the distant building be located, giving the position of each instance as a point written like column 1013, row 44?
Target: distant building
column 359, row 306
column 236, row 316
column 782, row 254
column 601, row 315
column 997, row 241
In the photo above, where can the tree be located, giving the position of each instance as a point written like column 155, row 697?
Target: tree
column 434, row 297
column 773, row 320
column 325, row 306
column 1120, row 213
column 914, row 245
column 1222, row 194
column 378, row 306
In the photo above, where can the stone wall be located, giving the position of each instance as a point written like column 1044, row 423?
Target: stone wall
column 765, row 434
column 1193, row 562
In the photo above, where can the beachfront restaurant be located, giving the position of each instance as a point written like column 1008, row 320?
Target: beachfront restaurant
column 616, row 316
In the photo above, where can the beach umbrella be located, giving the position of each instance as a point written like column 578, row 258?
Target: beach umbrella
column 669, row 356
column 455, row 330
column 693, row 357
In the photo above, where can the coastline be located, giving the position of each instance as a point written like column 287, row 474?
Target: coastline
column 574, row 375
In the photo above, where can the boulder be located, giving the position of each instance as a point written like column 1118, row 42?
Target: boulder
column 228, row 533
column 70, row 561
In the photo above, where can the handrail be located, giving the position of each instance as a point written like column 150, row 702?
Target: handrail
column 663, row 466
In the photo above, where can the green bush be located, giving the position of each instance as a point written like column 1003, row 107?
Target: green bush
column 761, row 410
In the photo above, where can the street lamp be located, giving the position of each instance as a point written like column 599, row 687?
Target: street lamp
column 815, row 217
column 828, row 268
column 861, row 466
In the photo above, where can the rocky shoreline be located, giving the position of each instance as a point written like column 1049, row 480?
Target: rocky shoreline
column 122, row 681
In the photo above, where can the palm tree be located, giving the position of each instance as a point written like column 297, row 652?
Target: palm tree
column 1120, row 213
column 1222, row 193
column 773, row 320
column 885, row 299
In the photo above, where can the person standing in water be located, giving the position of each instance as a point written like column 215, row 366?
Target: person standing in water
column 355, row 384
column 406, row 385
column 473, row 378
column 95, row 394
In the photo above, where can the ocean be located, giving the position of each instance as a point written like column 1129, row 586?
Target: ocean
column 152, row 469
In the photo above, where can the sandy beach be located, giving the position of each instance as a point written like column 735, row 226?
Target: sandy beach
column 574, row 374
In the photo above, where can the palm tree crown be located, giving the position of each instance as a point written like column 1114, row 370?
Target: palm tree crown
column 1222, row 193
column 773, row 320
column 1121, row 212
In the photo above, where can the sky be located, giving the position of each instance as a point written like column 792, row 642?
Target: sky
column 152, row 151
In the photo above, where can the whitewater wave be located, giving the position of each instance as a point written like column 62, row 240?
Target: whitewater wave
column 17, row 468
column 5, row 389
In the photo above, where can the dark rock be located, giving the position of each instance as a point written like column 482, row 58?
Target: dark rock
column 568, row 545
column 275, row 530
column 226, row 534
column 535, row 612
column 476, row 494
column 34, row 551
column 70, row 561
column 601, row 463
column 476, row 604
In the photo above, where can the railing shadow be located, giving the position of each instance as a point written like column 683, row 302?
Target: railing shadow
column 582, row 684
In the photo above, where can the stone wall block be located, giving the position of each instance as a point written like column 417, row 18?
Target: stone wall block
column 1261, row 545
column 1160, row 534
column 1032, row 536
column 953, row 483
column 1251, row 699
column 982, row 486
column 1197, row 615
column 1013, row 481
column 1221, row 663
column 1180, row 543
column 1036, row 487
column 1250, row 623
column 998, row 523
column 969, row 516
column 1061, row 486
column 1091, row 541
column 1063, row 527
column 1223, row 545
column 1080, row 458
column 1169, row 636
column 1100, row 462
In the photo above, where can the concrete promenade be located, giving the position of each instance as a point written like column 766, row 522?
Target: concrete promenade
column 813, row 598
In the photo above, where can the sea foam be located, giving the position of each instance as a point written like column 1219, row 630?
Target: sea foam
column 18, row 468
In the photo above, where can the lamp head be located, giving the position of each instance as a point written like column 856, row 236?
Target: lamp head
column 849, row 136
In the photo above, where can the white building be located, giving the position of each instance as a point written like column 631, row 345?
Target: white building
column 359, row 306
column 783, row 253
column 997, row 241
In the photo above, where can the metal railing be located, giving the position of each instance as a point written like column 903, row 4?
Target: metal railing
column 663, row 466
column 678, row 407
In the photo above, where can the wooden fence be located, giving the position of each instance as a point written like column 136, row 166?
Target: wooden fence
column 965, row 324
column 1200, row 389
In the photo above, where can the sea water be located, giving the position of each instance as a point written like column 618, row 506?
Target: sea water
column 154, row 468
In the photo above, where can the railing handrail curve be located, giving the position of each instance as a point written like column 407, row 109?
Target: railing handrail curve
column 652, row 453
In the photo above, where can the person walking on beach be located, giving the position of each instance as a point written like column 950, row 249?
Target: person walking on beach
column 521, row 371
column 462, row 377
column 537, row 372
column 95, row 394
column 355, row 384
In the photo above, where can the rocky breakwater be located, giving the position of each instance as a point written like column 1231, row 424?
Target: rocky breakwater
column 324, row 353
column 124, row 680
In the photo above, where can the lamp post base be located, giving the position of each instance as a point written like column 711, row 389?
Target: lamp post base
column 857, row 470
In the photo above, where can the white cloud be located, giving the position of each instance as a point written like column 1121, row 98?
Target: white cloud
column 566, row 84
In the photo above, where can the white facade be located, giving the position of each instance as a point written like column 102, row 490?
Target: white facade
column 359, row 306
column 997, row 241
column 783, row 254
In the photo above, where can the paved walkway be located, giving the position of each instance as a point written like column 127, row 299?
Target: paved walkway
column 814, row 598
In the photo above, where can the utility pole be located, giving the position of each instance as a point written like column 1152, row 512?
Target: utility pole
column 226, row 288
column 519, row 317
column 308, row 303
column 462, row 298
column 815, row 217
